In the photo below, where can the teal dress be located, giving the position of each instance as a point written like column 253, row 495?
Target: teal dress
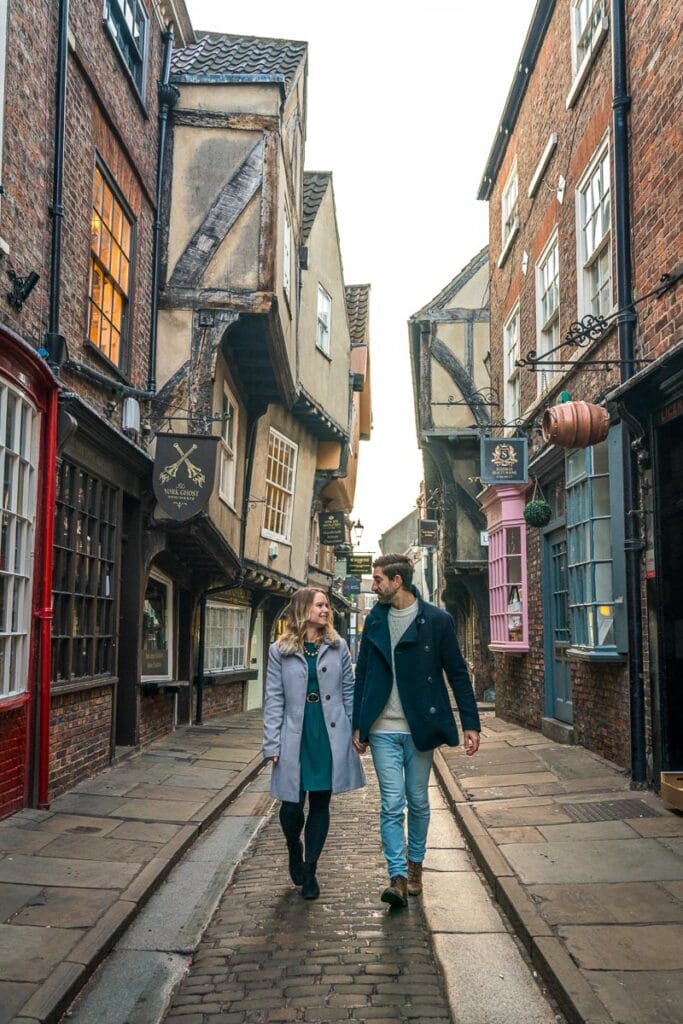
column 316, row 754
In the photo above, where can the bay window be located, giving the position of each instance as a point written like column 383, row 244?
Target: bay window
column 508, row 598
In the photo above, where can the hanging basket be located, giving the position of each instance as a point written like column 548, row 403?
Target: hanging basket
column 538, row 512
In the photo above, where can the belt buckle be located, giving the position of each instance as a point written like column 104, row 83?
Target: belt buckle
column 312, row 698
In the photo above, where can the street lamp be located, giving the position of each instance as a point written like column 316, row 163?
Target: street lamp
column 357, row 528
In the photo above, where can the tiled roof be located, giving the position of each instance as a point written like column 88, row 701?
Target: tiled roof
column 315, row 187
column 216, row 57
column 358, row 311
column 453, row 287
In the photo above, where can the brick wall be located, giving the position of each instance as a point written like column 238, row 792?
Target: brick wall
column 13, row 754
column 220, row 700
column 80, row 736
column 156, row 716
column 656, row 80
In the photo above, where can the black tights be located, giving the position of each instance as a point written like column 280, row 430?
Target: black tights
column 317, row 822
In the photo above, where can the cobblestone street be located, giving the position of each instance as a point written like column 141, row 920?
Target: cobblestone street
column 270, row 956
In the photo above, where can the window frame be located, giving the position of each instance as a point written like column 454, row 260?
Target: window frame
column 615, row 498
column 166, row 582
column 228, row 448
column 108, row 182
column 547, row 325
column 113, row 25
column 323, row 333
column 509, row 214
column 274, row 485
column 504, row 509
column 588, row 261
column 287, row 256
column 17, row 520
column 231, row 611
column 512, row 399
column 73, row 565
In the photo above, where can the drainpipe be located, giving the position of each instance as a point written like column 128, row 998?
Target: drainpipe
column 626, row 319
column 168, row 97
column 54, row 342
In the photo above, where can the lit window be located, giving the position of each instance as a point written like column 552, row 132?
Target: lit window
column 589, row 548
column 126, row 21
column 548, row 310
column 512, row 376
column 157, row 628
column 227, row 449
column 322, row 338
column 595, row 258
column 588, row 15
column 280, row 477
column 110, row 260
column 510, row 207
column 227, row 634
column 84, row 577
column 18, row 459
column 287, row 256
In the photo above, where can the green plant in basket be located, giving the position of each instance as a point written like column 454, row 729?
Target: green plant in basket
column 538, row 512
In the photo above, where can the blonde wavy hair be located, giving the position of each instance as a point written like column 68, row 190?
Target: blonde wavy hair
column 296, row 618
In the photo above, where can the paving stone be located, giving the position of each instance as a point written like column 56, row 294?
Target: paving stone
column 100, row 848
column 145, row 832
column 582, row 831
column 619, row 903
column 496, row 792
column 617, row 948
column 619, row 860
column 23, row 840
column 656, row 827
column 443, row 832
column 459, row 903
column 641, row 997
column 486, row 980
column 66, row 908
column 85, row 874
column 159, row 810
column 31, row 954
column 513, row 815
column 14, row 897
column 181, row 794
column 14, row 995
column 77, row 825
column 83, row 804
column 524, row 834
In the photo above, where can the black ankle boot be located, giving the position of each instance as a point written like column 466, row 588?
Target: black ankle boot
column 310, row 890
column 296, row 862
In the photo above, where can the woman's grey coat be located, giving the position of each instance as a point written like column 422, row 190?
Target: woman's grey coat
column 283, row 717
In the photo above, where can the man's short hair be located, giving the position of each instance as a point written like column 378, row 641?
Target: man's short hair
column 395, row 565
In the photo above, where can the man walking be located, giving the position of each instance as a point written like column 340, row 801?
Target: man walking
column 402, row 707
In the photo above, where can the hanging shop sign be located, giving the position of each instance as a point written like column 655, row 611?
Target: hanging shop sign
column 504, row 461
column 427, row 533
column 359, row 565
column 183, row 475
column 351, row 586
column 332, row 528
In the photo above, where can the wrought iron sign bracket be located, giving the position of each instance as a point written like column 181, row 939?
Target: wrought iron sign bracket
column 487, row 397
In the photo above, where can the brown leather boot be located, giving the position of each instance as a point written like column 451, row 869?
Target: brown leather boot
column 396, row 893
column 414, row 878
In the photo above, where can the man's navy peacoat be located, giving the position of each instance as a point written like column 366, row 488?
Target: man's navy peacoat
column 428, row 649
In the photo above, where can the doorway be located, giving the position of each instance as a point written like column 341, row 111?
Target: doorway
column 255, row 686
column 669, row 476
column 558, row 684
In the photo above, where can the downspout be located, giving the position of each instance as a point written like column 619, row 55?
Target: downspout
column 168, row 97
column 55, row 346
column 626, row 319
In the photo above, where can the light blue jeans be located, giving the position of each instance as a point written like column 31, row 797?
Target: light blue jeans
column 403, row 776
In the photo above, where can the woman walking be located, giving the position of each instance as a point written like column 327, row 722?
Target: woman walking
column 307, row 729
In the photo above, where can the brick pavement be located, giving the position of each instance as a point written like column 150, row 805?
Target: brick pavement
column 270, row 956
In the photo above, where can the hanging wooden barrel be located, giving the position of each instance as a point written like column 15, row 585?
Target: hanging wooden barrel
column 575, row 424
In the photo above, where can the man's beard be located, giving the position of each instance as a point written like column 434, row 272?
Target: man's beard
column 385, row 598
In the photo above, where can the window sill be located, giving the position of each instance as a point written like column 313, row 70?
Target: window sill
column 509, row 648
column 100, row 356
column 597, row 657
column 11, row 703
column 588, row 61
column 323, row 353
column 91, row 683
column 276, row 537
column 505, row 251
column 242, row 675
column 154, row 686
column 229, row 502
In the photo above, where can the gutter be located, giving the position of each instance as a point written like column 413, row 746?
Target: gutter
column 540, row 20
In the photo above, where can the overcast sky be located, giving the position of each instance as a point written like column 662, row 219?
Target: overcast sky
column 404, row 100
